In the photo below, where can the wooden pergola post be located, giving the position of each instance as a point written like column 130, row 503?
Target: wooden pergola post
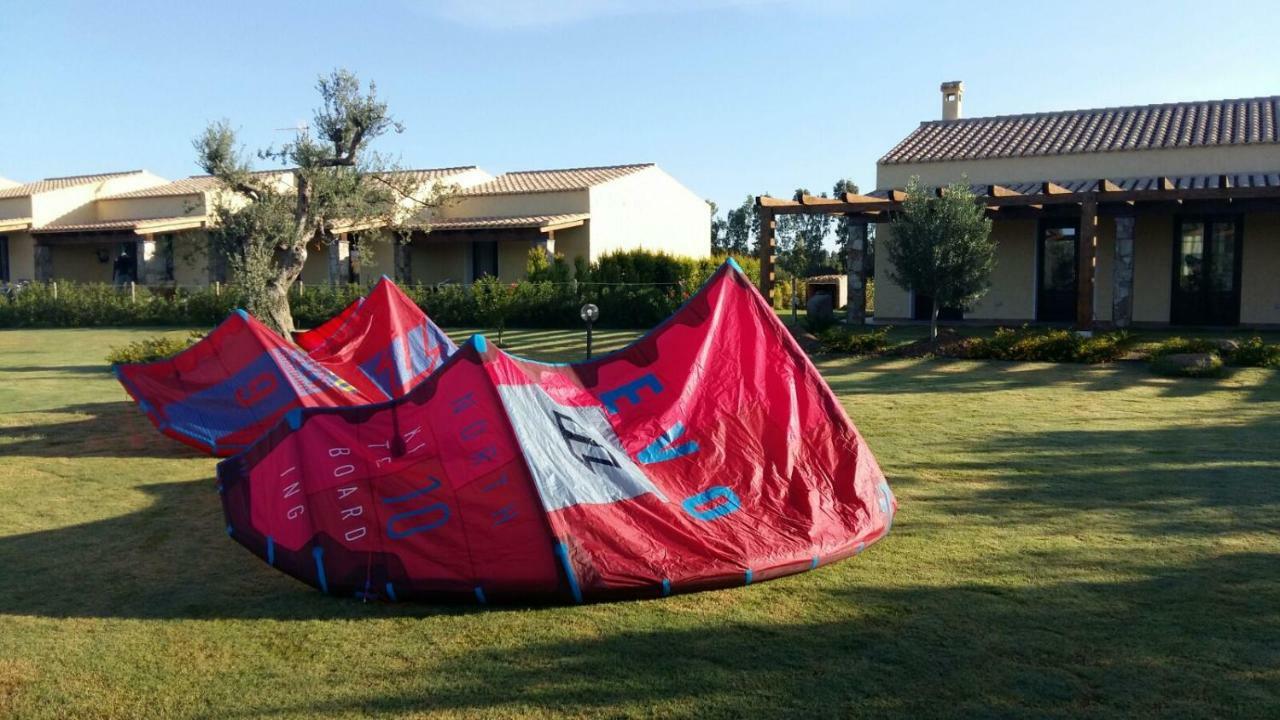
column 1087, row 259
column 768, row 244
column 856, row 270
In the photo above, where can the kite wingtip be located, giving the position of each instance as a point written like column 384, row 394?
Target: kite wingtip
column 731, row 262
column 480, row 343
column 294, row 418
column 244, row 314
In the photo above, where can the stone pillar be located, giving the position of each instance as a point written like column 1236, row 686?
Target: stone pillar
column 856, row 269
column 43, row 262
column 1122, row 273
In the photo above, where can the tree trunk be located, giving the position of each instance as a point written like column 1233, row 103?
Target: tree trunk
column 933, row 323
column 278, row 314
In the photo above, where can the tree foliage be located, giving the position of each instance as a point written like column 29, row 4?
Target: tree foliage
column 329, row 182
column 942, row 247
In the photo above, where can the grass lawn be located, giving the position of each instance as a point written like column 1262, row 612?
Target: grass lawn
column 1073, row 541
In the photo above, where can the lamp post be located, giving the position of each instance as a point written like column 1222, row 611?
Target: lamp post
column 589, row 314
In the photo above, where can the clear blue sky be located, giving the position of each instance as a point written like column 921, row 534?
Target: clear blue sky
column 730, row 96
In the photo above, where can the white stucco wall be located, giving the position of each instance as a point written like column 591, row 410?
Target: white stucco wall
column 649, row 210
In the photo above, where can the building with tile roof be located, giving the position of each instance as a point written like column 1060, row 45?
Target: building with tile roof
column 1163, row 214
column 135, row 226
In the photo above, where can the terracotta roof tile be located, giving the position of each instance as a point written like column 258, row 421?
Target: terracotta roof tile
column 126, row 224
column 1181, row 182
column 501, row 222
column 538, row 181
column 58, row 183
column 197, row 184
column 1142, row 127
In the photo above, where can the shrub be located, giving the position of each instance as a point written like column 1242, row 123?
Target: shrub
column 843, row 340
column 1255, row 353
column 1182, row 346
column 1049, row 345
column 151, row 349
column 1188, row 365
column 633, row 289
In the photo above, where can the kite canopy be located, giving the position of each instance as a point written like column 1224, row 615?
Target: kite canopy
column 709, row 453
column 225, row 391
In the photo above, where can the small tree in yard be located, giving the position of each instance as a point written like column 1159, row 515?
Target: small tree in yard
column 330, row 182
column 942, row 247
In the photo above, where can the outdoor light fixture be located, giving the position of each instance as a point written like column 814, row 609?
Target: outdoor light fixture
column 589, row 314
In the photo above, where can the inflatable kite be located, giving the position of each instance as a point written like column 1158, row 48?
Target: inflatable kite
column 710, row 453
column 225, row 391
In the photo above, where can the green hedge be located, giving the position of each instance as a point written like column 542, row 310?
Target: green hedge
column 633, row 289
column 1049, row 345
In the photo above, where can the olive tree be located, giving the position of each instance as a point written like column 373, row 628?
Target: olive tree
column 330, row 182
column 942, row 247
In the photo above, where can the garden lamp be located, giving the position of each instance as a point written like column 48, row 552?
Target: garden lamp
column 589, row 314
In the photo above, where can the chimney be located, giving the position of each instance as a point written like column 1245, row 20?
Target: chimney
column 952, row 96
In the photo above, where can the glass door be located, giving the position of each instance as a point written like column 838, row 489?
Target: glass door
column 1056, row 269
column 1206, row 272
column 484, row 259
column 4, row 258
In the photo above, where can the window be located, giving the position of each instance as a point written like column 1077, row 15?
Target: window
column 1206, row 271
column 484, row 259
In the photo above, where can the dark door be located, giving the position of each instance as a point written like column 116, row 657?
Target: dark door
column 1206, row 271
column 4, row 258
column 1056, row 270
column 484, row 259
column 922, row 309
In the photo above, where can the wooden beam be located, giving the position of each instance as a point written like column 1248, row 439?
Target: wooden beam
column 1106, row 186
column 1165, row 184
column 863, row 199
column 1001, row 191
column 1224, row 182
column 766, row 201
column 812, row 200
column 1052, row 188
column 768, row 231
column 897, row 196
column 1086, row 263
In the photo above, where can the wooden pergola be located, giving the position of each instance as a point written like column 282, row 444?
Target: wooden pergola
column 1087, row 200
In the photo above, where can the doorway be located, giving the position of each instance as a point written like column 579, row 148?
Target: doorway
column 1206, row 271
column 1057, row 246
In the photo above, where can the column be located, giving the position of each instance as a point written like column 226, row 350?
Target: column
column 856, row 270
column 1087, row 261
column 1122, row 273
column 768, row 235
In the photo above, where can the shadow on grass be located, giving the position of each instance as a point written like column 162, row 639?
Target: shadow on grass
column 169, row 560
column 110, row 429
column 885, row 375
column 1195, row 641
column 1203, row 479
